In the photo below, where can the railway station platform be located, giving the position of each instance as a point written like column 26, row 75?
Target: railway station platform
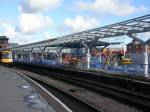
column 18, row 95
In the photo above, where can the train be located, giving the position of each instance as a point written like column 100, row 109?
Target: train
column 6, row 57
column 51, row 59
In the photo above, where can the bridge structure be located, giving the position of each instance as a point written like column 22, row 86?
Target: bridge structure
column 93, row 37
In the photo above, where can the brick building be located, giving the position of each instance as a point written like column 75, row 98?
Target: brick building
column 135, row 50
column 136, row 47
column 3, row 42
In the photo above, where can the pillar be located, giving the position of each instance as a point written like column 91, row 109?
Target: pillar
column 59, row 54
column 146, row 60
column 60, row 57
column 21, row 56
column 16, row 56
column 100, row 59
column 42, row 56
column 88, row 55
column 31, row 57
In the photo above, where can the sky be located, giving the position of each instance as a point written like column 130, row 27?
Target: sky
column 27, row 21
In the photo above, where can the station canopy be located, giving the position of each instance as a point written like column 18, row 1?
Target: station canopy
column 78, row 44
column 129, row 27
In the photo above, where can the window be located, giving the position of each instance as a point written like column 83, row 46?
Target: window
column 6, row 55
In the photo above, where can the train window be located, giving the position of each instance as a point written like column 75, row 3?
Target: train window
column 6, row 55
column 50, row 57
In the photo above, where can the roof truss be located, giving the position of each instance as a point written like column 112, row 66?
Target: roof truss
column 136, row 25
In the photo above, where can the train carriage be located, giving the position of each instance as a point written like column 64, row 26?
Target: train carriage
column 6, row 57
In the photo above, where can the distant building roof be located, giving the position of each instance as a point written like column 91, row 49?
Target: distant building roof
column 13, row 44
column 3, row 38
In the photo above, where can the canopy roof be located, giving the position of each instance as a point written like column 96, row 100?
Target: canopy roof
column 132, row 26
column 78, row 44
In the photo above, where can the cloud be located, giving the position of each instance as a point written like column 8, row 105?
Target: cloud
column 80, row 23
column 113, row 7
column 47, row 35
column 21, row 39
column 29, row 38
column 32, row 23
column 32, row 6
column 8, row 29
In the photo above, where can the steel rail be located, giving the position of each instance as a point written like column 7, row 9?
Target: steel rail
column 122, row 94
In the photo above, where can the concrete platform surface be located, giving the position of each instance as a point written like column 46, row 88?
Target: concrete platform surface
column 17, row 95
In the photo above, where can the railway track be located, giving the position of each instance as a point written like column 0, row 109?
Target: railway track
column 74, row 103
column 131, row 97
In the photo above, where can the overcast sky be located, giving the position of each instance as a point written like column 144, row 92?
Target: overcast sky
column 26, row 21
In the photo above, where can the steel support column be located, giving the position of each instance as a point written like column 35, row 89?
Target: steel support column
column 42, row 53
column 16, row 55
column 21, row 56
column 31, row 57
column 59, row 51
column 100, row 59
column 60, row 57
column 42, row 56
column 88, row 55
column 146, row 60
